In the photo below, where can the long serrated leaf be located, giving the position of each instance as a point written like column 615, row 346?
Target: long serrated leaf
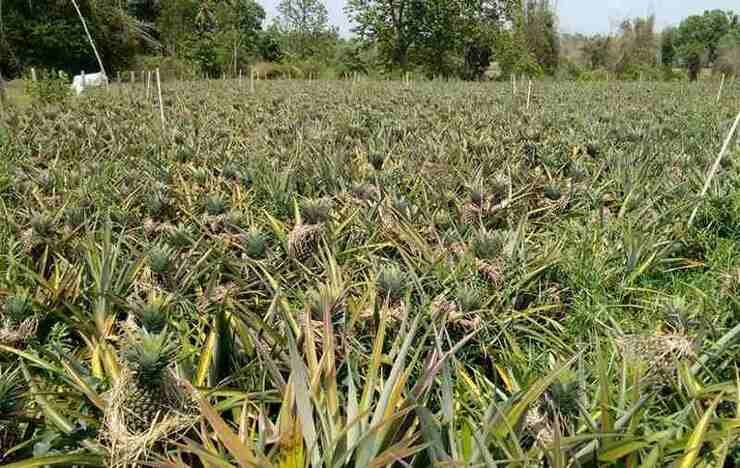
column 79, row 459
column 696, row 440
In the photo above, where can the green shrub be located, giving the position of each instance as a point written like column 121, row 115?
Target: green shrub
column 50, row 86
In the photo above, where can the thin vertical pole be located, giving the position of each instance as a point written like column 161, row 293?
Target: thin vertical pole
column 161, row 104
column 721, row 85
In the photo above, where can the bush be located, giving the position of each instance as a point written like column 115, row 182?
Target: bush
column 170, row 68
column 50, row 86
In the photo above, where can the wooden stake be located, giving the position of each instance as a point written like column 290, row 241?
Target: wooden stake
column 721, row 84
column 240, row 77
column 161, row 104
column 33, row 74
column 148, row 79
column 714, row 168
column 82, row 74
column 133, row 77
column 251, row 81
column 529, row 93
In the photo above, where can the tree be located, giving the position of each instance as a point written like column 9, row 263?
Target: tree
column 667, row 47
column 596, row 50
column 728, row 53
column 216, row 35
column 391, row 24
column 48, row 34
column 541, row 36
column 698, row 36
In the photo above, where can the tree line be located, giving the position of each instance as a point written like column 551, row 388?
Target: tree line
column 468, row 39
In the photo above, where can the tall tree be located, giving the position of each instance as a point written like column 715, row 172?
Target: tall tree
column 698, row 36
column 540, row 30
column 305, row 24
column 304, row 16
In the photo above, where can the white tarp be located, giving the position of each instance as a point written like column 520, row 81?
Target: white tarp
column 91, row 80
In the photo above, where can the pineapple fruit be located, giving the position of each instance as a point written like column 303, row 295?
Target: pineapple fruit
column 304, row 238
column 148, row 358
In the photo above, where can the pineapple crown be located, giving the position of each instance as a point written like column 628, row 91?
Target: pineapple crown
column 255, row 244
column 215, row 205
column 180, row 236
column 18, row 307
column 488, row 245
column 391, row 283
column 160, row 259
column 153, row 314
column 469, row 298
column 42, row 224
column 149, row 354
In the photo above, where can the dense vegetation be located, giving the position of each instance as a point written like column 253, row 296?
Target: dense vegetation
column 432, row 38
column 369, row 274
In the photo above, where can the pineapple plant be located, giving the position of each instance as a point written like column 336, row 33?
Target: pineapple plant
column 150, row 396
column 488, row 249
column 11, row 405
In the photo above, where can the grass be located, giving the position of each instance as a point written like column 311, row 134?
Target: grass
column 16, row 94
column 371, row 273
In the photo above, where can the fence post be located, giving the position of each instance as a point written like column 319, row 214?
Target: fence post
column 161, row 104
column 148, row 80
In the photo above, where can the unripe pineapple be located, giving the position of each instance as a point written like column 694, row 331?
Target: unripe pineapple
column 304, row 237
column 303, row 240
column 148, row 357
column 470, row 214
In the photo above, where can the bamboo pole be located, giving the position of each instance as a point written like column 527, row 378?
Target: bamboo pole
column 89, row 38
column 721, row 85
column 714, row 168
column 161, row 104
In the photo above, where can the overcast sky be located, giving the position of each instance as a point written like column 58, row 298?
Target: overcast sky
column 585, row 16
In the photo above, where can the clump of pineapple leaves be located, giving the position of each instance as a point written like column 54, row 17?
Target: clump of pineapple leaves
column 370, row 275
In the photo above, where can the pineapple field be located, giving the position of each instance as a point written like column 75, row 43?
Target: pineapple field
column 330, row 274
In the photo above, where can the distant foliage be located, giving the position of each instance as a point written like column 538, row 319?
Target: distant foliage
column 51, row 86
